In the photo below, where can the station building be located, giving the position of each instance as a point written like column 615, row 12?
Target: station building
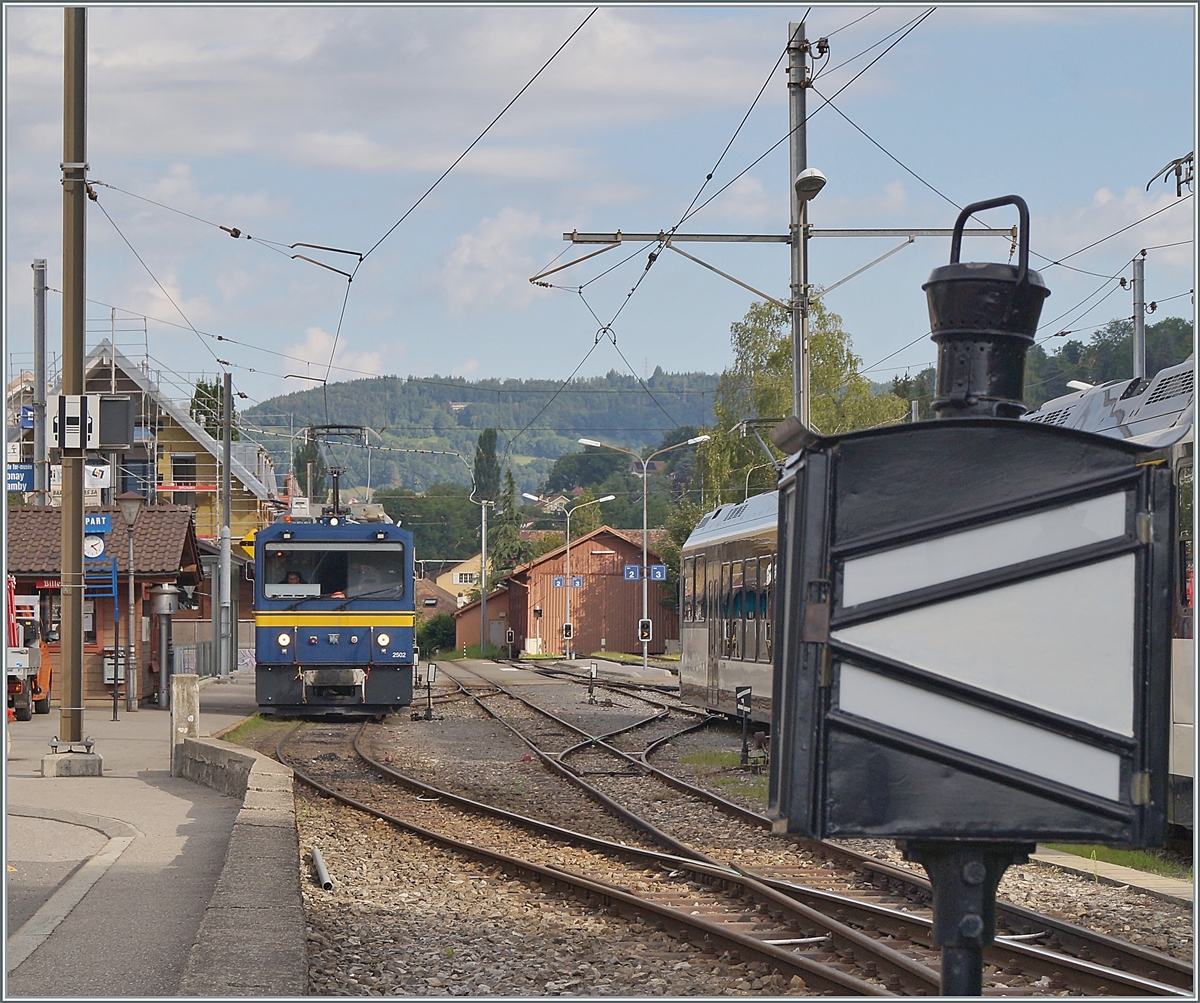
column 604, row 612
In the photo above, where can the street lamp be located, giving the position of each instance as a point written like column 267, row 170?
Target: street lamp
column 757, row 466
column 645, row 492
column 595, row 501
column 806, row 186
column 130, row 503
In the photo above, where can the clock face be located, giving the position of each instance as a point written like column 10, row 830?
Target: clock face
column 93, row 546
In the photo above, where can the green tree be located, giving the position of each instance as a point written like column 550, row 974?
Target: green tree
column 309, row 452
column 920, row 388
column 680, row 523
column 759, row 385
column 1106, row 357
column 587, row 520
column 583, row 470
column 207, row 407
column 444, row 521
column 505, row 547
column 487, row 467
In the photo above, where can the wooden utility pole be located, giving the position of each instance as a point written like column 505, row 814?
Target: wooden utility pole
column 74, row 184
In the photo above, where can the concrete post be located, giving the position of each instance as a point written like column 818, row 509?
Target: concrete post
column 74, row 171
column 1139, row 316
column 798, row 161
column 41, row 462
column 185, row 715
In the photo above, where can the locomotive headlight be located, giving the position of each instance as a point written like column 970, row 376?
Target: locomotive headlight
column 383, row 640
column 284, row 640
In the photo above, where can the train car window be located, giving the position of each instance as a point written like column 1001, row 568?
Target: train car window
column 356, row 569
column 1185, row 602
column 750, row 652
column 701, row 591
column 689, row 590
column 738, row 608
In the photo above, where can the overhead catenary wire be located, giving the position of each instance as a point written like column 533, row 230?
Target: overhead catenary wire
column 191, row 326
column 441, row 177
column 607, row 328
column 457, row 160
column 910, row 26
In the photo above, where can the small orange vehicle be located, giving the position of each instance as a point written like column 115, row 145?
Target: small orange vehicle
column 28, row 658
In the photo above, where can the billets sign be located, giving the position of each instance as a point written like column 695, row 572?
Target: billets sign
column 983, row 649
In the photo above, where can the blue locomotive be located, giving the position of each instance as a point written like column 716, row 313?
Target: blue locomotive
column 333, row 617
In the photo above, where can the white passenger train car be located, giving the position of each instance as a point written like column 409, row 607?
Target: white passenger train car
column 727, row 577
column 727, row 589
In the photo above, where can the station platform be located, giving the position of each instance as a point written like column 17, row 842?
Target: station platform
column 109, row 879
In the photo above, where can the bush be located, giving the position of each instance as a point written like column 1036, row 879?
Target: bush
column 436, row 633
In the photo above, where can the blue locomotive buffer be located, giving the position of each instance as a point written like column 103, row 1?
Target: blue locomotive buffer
column 333, row 618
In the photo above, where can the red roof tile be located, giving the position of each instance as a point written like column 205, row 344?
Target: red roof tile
column 164, row 540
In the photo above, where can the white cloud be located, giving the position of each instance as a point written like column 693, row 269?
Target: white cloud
column 1064, row 232
column 356, row 151
column 466, row 368
column 315, row 347
column 491, row 266
column 747, row 199
column 166, row 299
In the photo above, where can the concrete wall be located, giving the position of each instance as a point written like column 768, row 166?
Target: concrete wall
column 252, row 939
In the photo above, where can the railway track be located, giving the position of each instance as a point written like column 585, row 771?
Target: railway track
column 1033, row 952
column 709, row 905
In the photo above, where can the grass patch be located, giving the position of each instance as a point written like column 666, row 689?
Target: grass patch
column 626, row 658
column 251, row 726
column 1139, row 860
column 473, row 651
column 710, row 757
column 756, row 787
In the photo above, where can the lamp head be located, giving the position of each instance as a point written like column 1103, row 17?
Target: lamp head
column 589, row 442
column 698, row 438
column 532, row 498
column 130, row 503
column 808, row 183
column 607, row 498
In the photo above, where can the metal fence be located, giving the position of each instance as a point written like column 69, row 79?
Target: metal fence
column 194, row 651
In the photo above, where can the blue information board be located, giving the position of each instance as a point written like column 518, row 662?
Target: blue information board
column 633, row 572
column 19, row 476
column 558, row 581
column 577, row 581
column 97, row 523
column 658, row 572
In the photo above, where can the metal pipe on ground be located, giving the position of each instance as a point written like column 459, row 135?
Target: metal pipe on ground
column 322, row 874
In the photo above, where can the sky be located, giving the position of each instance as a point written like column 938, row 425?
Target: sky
column 324, row 125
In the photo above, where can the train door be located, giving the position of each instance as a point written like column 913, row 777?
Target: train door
column 711, row 571
column 1183, row 680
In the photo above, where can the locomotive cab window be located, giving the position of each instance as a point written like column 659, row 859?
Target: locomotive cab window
column 297, row 570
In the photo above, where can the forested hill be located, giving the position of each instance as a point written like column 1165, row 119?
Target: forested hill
column 538, row 420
